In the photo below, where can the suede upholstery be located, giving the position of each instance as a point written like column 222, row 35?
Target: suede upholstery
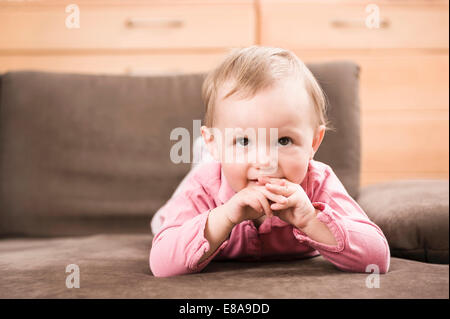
column 116, row 266
column 84, row 154
column 413, row 216
column 84, row 164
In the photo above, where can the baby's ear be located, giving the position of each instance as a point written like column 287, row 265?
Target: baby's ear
column 211, row 141
column 318, row 138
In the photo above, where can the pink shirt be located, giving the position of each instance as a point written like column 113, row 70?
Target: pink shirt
column 179, row 243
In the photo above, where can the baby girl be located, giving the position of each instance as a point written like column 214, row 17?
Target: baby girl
column 263, row 197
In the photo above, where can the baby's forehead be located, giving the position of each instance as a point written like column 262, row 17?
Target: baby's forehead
column 230, row 88
column 247, row 127
column 278, row 107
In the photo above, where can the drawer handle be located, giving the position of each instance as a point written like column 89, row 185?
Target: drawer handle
column 153, row 22
column 149, row 72
column 357, row 23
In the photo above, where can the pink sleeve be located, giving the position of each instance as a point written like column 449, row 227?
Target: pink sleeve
column 179, row 245
column 360, row 242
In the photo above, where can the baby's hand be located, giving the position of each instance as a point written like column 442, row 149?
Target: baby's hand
column 251, row 202
column 297, row 210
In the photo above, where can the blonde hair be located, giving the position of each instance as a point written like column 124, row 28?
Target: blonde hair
column 255, row 68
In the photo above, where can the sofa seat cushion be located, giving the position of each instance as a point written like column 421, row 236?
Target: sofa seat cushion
column 116, row 266
column 413, row 215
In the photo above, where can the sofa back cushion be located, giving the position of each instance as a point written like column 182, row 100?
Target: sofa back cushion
column 85, row 154
column 341, row 148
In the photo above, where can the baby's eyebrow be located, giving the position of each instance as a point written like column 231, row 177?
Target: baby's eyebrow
column 284, row 131
column 281, row 132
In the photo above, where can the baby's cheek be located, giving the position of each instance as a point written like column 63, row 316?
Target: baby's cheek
column 235, row 175
column 295, row 169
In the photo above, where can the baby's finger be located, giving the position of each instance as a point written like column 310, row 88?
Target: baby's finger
column 265, row 204
column 277, row 206
column 278, row 181
column 259, row 206
column 274, row 197
column 281, row 190
column 254, row 203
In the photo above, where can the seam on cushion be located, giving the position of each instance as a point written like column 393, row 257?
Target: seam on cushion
column 417, row 249
column 424, row 255
column 420, row 248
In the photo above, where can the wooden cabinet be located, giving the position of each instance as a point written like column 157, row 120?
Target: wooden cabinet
column 404, row 74
column 128, row 26
column 404, row 63
column 342, row 24
column 135, row 37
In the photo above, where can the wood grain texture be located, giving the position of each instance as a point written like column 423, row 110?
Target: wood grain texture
column 342, row 24
column 158, row 25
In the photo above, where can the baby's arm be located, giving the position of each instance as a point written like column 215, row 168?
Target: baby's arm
column 217, row 229
column 195, row 231
column 250, row 203
column 360, row 242
column 180, row 243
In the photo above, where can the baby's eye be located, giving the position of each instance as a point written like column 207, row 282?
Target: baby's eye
column 242, row 141
column 284, row 140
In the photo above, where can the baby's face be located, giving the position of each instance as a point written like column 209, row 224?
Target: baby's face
column 285, row 107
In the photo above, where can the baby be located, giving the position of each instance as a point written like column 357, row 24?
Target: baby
column 263, row 197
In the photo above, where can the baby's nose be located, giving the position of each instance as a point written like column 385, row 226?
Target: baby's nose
column 267, row 161
column 264, row 160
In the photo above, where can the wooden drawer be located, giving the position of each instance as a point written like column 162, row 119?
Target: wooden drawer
column 403, row 80
column 408, row 142
column 411, row 81
column 108, row 63
column 341, row 24
column 149, row 25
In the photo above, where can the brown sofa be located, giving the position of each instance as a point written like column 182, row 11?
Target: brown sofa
column 84, row 163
